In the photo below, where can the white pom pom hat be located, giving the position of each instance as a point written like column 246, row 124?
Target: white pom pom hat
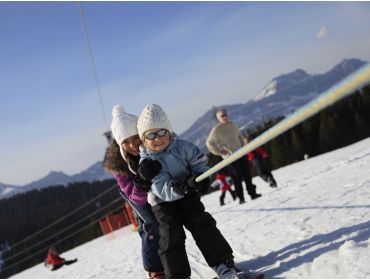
column 124, row 125
column 152, row 116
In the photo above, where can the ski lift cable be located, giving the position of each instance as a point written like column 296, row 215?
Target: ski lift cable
column 85, row 29
column 347, row 86
column 103, row 112
column 63, row 230
column 61, row 240
column 92, row 60
column 63, row 217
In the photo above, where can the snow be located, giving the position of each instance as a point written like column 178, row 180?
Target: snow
column 269, row 90
column 316, row 224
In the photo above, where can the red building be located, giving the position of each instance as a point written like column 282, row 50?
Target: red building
column 116, row 221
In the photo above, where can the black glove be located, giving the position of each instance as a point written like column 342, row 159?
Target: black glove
column 189, row 185
column 142, row 184
column 149, row 168
column 185, row 187
column 203, row 185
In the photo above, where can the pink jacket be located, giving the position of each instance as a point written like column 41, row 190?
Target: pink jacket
column 132, row 192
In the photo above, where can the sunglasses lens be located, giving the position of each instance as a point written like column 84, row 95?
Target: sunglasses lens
column 153, row 135
column 161, row 132
column 150, row 136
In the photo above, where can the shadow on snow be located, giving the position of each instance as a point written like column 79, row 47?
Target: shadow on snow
column 328, row 241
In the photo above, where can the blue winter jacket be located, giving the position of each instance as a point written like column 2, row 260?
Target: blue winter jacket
column 180, row 159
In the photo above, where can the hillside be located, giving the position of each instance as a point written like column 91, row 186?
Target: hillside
column 93, row 173
column 315, row 225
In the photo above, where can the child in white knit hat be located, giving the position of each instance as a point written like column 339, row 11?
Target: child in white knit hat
column 175, row 197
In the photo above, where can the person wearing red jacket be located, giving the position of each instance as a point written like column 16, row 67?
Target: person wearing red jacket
column 54, row 261
column 258, row 157
column 224, row 183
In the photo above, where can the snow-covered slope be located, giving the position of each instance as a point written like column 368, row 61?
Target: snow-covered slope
column 315, row 225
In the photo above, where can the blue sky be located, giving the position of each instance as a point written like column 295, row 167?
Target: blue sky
column 185, row 56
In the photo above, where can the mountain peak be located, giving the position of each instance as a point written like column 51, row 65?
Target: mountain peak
column 94, row 173
column 349, row 64
column 295, row 76
column 281, row 96
column 53, row 173
column 280, row 82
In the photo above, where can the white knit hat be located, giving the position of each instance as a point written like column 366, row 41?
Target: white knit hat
column 124, row 125
column 152, row 116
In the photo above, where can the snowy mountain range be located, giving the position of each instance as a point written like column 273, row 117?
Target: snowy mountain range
column 94, row 173
column 280, row 97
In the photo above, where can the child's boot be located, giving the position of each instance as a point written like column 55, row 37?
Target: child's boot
column 271, row 182
column 226, row 269
column 255, row 195
column 233, row 194
column 157, row 275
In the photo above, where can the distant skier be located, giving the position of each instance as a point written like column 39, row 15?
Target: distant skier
column 258, row 157
column 224, row 183
column 54, row 261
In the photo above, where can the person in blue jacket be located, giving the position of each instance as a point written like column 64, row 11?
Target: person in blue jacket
column 175, row 197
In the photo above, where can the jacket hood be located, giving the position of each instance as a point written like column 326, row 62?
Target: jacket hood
column 114, row 163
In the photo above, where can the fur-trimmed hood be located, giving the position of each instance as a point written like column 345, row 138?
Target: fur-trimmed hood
column 114, row 163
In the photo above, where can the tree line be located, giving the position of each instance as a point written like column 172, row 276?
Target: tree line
column 339, row 125
column 36, row 210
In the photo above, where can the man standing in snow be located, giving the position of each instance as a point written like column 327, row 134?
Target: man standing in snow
column 224, row 139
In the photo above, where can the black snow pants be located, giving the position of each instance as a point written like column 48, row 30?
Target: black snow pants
column 149, row 234
column 262, row 168
column 189, row 212
column 240, row 172
column 222, row 196
column 243, row 172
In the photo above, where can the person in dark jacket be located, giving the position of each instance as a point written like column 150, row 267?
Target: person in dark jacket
column 258, row 157
column 175, row 197
column 54, row 261
column 122, row 160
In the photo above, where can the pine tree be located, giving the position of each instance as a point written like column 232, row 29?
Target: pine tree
column 297, row 147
